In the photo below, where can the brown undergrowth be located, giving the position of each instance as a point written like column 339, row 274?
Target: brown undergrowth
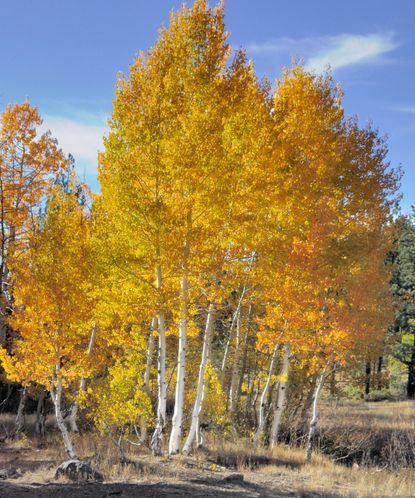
column 380, row 434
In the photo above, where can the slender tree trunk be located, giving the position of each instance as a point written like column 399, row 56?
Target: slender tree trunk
column 157, row 438
column 150, row 351
column 368, row 371
column 410, row 387
column 20, row 416
column 379, row 372
column 146, row 383
column 177, row 420
column 282, row 396
column 41, row 414
column 236, row 367
column 314, row 419
column 246, row 348
column 333, row 384
column 230, row 338
column 304, row 416
column 5, row 291
column 253, row 393
column 200, row 393
column 56, row 394
column 75, row 407
column 9, row 388
column 255, row 400
column 120, row 447
column 264, row 397
column 200, row 439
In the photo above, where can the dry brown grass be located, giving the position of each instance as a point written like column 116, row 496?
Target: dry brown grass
column 285, row 470
column 43, row 474
column 380, row 434
column 322, row 476
column 280, row 469
column 382, row 415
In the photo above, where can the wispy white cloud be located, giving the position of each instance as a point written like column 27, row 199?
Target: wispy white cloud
column 335, row 51
column 407, row 109
column 346, row 50
column 82, row 139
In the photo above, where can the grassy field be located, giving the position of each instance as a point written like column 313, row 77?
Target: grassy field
column 366, row 432
column 378, row 434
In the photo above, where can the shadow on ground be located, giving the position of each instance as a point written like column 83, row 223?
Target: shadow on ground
column 203, row 488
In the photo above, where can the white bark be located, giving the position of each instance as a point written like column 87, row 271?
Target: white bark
column 230, row 338
column 200, row 393
column 233, row 393
column 146, row 387
column 314, row 417
column 150, row 350
column 177, row 420
column 234, row 321
column 157, row 438
column 120, row 447
column 75, row 407
column 56, row 394
column 200, row 438
column 245, row 350
column 264, row 396
column 282, row 396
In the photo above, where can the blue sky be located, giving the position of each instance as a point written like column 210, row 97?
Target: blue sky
column 64, row 56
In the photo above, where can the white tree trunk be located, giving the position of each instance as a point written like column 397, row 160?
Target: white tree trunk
column 56, row 394
column 157, row 438
column 177, row 420
column 150, row 351
column 282, row 396
column 233, row 393
column 230, row 338
column 75, row 407
column 264, row 396
column 243, row 370
column 314, row 418
column 200, row 439
column 146, row 386
column 200, row 393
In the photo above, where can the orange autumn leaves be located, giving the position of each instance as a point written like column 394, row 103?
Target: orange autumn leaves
column 52, row 309
column 338, row 199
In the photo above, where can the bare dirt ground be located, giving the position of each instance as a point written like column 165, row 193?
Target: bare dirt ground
column 35, row 479
column 162, row 490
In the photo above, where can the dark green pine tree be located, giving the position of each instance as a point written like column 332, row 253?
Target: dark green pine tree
column 403, row 288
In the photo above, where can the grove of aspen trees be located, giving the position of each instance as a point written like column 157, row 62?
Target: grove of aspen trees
column 232, row 264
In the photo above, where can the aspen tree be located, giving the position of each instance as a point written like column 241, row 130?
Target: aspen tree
column 169, row 168
column 75, row 407
column 322, row 232
column 264, row 396
column 53, row 322
column 28, row 163
column 282, row 396
column 201, row 387
column 118, row 401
